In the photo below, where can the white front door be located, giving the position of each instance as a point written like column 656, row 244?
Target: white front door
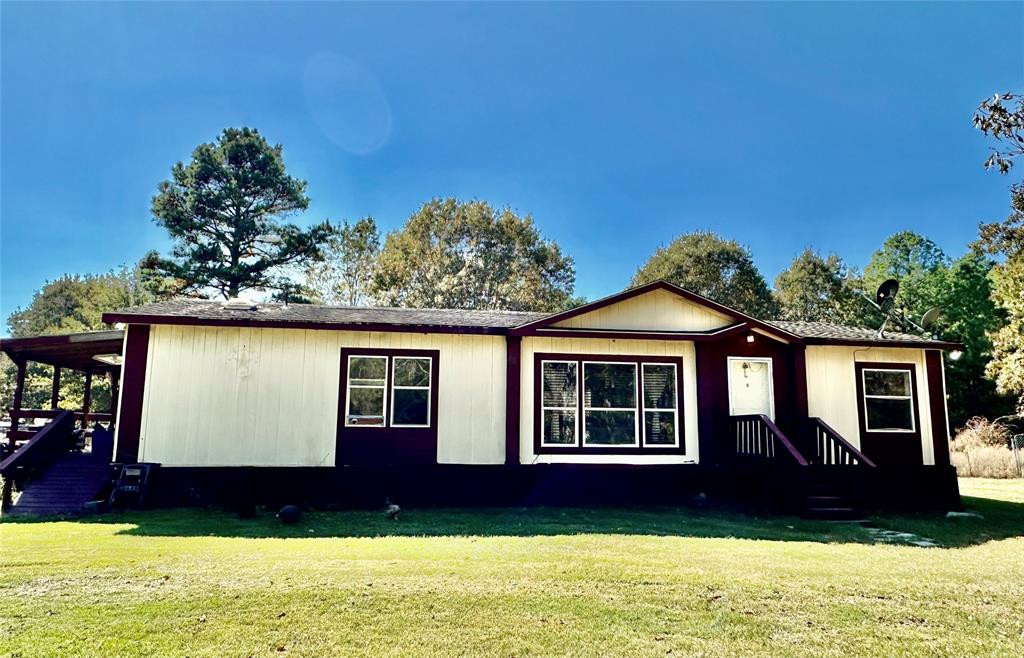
column 750, row 386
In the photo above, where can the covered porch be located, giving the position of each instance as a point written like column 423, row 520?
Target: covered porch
column 36, row 438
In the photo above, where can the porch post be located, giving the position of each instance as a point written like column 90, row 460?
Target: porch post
column 86, row 398
column 19, row 391
column 115, row 377
column 55, row 389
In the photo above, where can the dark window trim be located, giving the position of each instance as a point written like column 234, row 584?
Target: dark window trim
column 859, row 368
column 387, row 440
column 639, row 360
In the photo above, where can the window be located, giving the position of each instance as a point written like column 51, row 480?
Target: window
column 606, row 404
column 389, row 390
column 888, row 400
column 558, row 402
column 660, row 405
column 410, row 391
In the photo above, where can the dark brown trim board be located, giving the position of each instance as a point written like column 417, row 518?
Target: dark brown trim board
column 379, row 445
column 886, row 342
column 332, row 326
column 890, row 448
column 800, row 381
column 937, row 406
column 129, row 422
column 513, row 369
column 715, row 334
column 540, row 449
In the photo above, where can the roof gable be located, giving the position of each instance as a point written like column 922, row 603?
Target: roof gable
column 655, row 310
column 657, row 307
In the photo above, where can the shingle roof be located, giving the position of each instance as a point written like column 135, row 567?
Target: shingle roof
column 370, row 318
column 838, row 332
column 304, row 314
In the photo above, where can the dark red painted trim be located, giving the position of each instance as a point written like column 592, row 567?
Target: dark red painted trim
column 85, row 337
column 660, row 284
column 891, row 437
column 280, row 324
column 538, row 418
column 513, row 393
column 387, row 444
column 937, row 406
column 800, row 381
column 932, row 344
column 637, row 335
column 706, row 376
column 133, row 389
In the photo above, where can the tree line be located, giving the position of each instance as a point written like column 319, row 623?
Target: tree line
column 227, row 214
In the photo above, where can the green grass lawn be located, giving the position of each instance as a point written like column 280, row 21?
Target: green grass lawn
column 514, row 582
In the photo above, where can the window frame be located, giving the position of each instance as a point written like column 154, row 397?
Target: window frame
column 640, row 446
column 387, row 427
column 575, row 409
column 393, row 387
column 348, row 390
column 915, row 417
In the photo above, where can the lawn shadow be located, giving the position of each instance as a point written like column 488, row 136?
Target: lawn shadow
column 1000, row 520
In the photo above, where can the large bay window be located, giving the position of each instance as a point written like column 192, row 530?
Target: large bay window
column 607, row 404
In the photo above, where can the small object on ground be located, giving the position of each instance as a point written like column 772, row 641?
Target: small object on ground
column 391, row 510
column 289, row 514
column 963, row 515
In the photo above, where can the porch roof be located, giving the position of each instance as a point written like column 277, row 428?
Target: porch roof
column 73, row 351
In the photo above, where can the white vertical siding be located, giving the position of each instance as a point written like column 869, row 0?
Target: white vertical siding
column 658, row 310
column 225, row 396
column 678, row 348
column 832, row 388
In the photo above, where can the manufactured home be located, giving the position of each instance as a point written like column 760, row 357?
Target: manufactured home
column 651, row 395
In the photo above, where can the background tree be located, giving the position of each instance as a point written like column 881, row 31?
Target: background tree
column 970, row 315
column 918, row 264
column 224, row 212
column 465, row 254
column 720, row 269
column 998, row 118
column 345, row 275
column 69, row 304
column 817, row 288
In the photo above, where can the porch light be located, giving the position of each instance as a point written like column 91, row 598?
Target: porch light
column 750, row 338
column 955, row 355
column 109, row 359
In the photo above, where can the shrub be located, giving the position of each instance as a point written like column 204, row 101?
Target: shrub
column 986, row 461
column 980, row 432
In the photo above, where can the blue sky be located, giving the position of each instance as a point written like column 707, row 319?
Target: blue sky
column 617, row 127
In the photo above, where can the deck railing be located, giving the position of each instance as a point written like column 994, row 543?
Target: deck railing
column 54, row 438
column 759, row 439
column 824, row 445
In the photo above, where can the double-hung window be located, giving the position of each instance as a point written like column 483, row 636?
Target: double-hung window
column 389, row 389
column 605, row 404
column 888, row 399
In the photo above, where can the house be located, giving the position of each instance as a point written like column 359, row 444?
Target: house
column 651, row 395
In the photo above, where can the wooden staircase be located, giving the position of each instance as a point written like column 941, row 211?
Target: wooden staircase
column 54, row 475
column 823, row 473
column 71, row 481
column 830, row 498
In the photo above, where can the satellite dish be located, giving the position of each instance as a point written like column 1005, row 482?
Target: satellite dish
column 929, row 317
column 886, row 293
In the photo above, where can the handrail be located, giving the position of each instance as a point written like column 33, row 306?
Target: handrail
column 18, row 414
column 830, row 447
column 757, row 436
column 52, row 438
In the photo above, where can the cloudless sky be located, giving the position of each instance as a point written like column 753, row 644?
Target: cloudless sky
column 617, row 127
